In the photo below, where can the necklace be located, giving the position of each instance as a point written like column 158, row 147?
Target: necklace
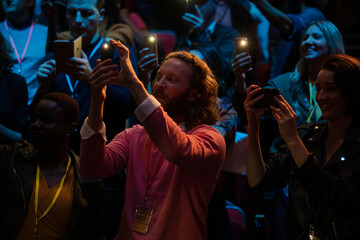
column 311, row 111
column 37, row 183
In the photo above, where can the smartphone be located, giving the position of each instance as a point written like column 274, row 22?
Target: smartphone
column 107, row 51
column 150, row 41
column 241, row 45
column 268, row 99
column 65, row 49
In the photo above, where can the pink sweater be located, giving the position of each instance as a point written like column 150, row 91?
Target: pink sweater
column 180, row 191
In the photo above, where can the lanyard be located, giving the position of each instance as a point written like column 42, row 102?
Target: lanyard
column 311, row 111
column 54, row 199
column 149, row 180
column 68, row 80
column 13, row 44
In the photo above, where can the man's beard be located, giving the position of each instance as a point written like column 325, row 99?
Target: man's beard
column 174, row 106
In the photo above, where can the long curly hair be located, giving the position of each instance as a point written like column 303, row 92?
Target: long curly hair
column 205, row 110
column 5, row 59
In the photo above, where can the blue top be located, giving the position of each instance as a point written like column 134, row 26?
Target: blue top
column 34, row 55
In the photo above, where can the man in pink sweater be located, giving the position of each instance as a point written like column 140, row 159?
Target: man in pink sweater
column 172, row 160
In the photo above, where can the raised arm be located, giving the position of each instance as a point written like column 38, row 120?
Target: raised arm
column 240, row 65
column 254, row 160
column 276, row 17
column 92, row 153
column 286, row 119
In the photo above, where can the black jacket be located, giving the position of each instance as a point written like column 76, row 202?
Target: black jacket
column 17, row 177
column 324, row 195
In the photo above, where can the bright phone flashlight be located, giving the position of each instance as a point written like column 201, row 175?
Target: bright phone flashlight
column 152, row 39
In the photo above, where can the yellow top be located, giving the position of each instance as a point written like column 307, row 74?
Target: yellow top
column 54, row 224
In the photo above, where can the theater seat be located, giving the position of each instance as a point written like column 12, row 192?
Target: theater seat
column 167, row 38
column 237, row 221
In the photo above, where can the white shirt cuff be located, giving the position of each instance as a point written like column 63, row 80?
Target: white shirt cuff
column 146, row 108
column 86, row 131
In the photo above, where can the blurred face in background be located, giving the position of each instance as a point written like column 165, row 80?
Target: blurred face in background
column 314, row 45
column 83, row 18
column 17, row 8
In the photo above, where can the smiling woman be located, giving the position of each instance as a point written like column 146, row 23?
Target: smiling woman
column 338, row 84
column 320, row 39
column 332, row 103
column 320, row 161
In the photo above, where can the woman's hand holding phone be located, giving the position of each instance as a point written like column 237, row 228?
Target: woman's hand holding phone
column 253, row 114
column 286, row 119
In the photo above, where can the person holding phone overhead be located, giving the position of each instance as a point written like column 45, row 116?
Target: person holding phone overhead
column 321, row 161
column 173, row 158
column 71, row 76
column 211, row 42
column 320, row 39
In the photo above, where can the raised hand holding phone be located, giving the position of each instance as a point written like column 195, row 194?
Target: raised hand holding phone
column 242, row 59
column 65, row 49
column 241, row 45
column 150, row 42
column 268, row 99
column 107, row 51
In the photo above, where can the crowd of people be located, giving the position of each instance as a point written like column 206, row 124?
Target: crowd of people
column 132, row 146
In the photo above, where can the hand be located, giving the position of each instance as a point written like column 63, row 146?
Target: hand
column 104, row 73
column 148, row 62
column 195, row 21
column 286, row 118
column 127, row 75
column 253, row 114
column 47, row 72
column 77, row 68
column 241, row 63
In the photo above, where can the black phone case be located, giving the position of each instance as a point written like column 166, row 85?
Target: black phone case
column 268, row 100
column 107, row 52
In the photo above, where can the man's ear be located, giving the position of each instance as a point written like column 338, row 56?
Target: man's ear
column 101, row 15
column 194, row 95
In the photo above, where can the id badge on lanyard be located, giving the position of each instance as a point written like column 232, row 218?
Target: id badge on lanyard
column 142, row 218
column 143, row 212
